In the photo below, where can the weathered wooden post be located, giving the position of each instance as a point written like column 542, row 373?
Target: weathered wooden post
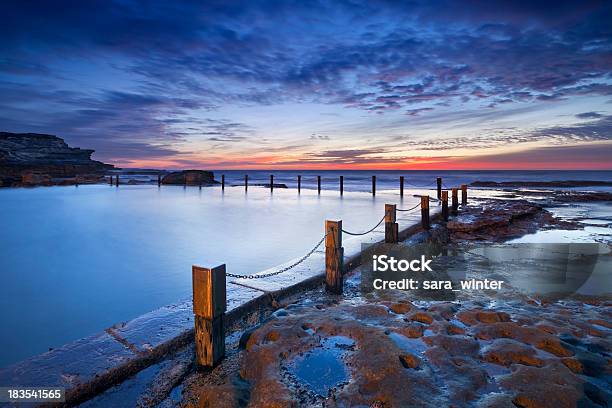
column 445, row 205
column 223, row 182
column 271, row 182
column 246, row 182
column 209, row 298
column 373, row 185
column 391, row 227
column 341, row 185
column 401, row 186
column 299, row 183
column 455, row 200
column 117, row 180
column 425, row 212
column 464, row 194
column 439, row 183
column 334, row 256
column 158, row 180
column 319, row 184
column 111, row 179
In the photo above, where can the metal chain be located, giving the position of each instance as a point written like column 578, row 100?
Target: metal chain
column 421, row 186
column 409, row 209
column 368, row 231
column 285, row 269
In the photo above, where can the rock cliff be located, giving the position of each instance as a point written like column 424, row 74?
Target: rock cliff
column 28, row 159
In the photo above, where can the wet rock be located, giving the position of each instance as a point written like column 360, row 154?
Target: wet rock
column 506, row 352
column 553, row 385
column 422, row 317
column 232, row 394
column 410, row 360
column 400, row 308
column 499, row 221
column 454, row 330
column 244, row 338
column 475, row 316
column 189, row 177
column 496, row 400
column 454, row 345
column 411, row 330
column 573, row 364
column 444, row 309
column 527, row 335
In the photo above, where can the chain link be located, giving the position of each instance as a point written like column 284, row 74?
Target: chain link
column 421, row 185
column 285, row 269
column 368, row 231
column 409, row 209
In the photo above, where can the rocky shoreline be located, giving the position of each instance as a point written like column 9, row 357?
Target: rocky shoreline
column 560, row 183
column 32, row 159
column 490, row 349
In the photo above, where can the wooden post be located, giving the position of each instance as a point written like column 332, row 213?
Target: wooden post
column 246, row 182
column 455, row 201
column 117, row 180
column 111, row 179
column 439, row 183
column 425, row 212
column 222, row 182
column 373, row 185
column 209, row 299
column 334, row 256
column 401, row 186
column 271, row 182
column 341, row 185
column 391, row 227
column 319, row 184
column 299, row 183
column 158, row 180
column 464, row 194
column 445, row 205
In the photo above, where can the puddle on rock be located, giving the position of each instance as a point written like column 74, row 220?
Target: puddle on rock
column 323, row 367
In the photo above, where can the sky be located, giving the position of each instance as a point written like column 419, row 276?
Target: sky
column 312, row 84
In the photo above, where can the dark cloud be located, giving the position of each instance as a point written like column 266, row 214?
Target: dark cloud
column 593, row 131
column 589, row 115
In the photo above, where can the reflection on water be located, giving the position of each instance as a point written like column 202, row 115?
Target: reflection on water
column 76, row 260
column 323, row 368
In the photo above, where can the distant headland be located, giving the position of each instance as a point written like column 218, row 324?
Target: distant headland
column 33, row 159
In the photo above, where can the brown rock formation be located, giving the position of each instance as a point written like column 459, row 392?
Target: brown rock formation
column 190, row 177
column 32, row 159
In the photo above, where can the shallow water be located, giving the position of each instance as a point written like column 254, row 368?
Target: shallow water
column 76, row 260
column 322, row 368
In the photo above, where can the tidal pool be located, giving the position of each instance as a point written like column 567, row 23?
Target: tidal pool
column 76, row 260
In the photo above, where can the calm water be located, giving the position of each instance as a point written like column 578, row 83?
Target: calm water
column 76, row 260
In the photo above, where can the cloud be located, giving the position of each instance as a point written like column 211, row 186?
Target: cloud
column 107, row 73
column 589, row 115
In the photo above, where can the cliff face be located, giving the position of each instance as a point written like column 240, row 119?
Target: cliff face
column 38, row 159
